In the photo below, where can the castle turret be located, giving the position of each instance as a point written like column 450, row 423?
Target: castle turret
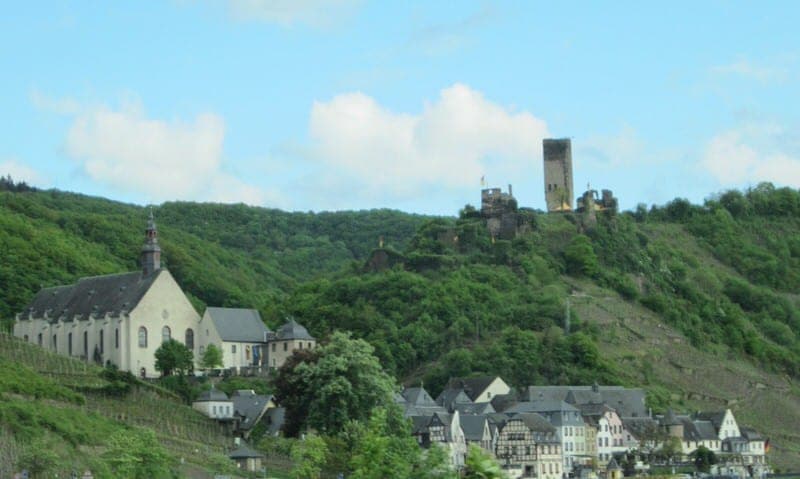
column 558, row 174
column 151, row 252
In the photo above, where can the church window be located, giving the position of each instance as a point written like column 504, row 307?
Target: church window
column 69, row 344
column 116, row 338
column 166, row 334
column 85, row 344
column 142, row 337
column 102, row 343
column 189, row 339
column 55, row 342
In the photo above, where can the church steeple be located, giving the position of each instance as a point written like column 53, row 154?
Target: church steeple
column 151, row 252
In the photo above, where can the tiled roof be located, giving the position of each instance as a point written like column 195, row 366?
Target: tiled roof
column 238, row 324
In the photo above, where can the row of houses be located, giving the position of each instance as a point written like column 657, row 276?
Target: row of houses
column 550, row 432
column 122, row 319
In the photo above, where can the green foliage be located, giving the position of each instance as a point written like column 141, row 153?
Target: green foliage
column 580, row 257
column 233, row 383
column 703, row 458
column 309, row 457
column 137, row 454
column 481, row 465
column 19, row 379
column 211, row 358
column 333, row 384
column 173, row 356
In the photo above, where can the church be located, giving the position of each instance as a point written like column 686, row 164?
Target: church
column 122, row 319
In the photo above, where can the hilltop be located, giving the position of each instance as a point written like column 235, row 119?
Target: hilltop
column 696, row 303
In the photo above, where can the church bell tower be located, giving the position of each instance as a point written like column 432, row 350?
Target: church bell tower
column 151, row 252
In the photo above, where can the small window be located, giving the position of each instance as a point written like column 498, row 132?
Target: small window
column 189, row 339
column 233, row 348
column 285, row 346
column 25, row 338
column 142, row 339
column 55, row 342
column 301, row 345
column 166, row 334
column 69, row 344
column 273, row 347
column 202, row 350
column 86, row 344
column 39, row 339
column 102, row 343
column 116, row 338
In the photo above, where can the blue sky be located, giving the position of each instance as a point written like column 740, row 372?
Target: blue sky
column 324, row 105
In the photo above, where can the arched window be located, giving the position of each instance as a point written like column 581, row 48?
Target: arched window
column 166, row 334
column 142, row 337
column 189, row 339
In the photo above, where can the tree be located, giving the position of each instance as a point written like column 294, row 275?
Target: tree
column 137, row 454
column 173, row 356
column 308, row 456
column 703, row 458
column 481, row 465
column 211, row 358
column 581, row 258
column 333, row 384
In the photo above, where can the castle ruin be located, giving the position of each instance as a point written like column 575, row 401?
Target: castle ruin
column 500, row 212
column 558, row 174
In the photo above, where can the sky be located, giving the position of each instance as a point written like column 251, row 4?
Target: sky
column 314, row 105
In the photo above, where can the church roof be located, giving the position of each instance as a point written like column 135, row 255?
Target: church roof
column 238, row 324
column 292, row 330
column 99, row 295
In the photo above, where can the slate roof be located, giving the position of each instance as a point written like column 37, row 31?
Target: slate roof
column 750, row 434
column 292, row 330
column 276, row 417
column 418, row 396
column 627, row 402
column 472, row 387
column 552, row 410
column 250, row 407
column 474, row 408
column 698, row 430
column 716, row 417
column 450, row 397
column 238, row 324
column 473, row 427
column 212, row 394
column 110, row 294
column 502, row 402
column 244, row 452
column 640, row 427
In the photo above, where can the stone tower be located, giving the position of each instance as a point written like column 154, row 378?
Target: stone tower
column 558, row 191
column 151, row 251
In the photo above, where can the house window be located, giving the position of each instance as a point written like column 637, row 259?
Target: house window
column 69, row 344
column 55, row 342
column 214, row 410
column 233, row 348
column 189, row 339
column 116, row 338
column 247, row 353
column 166, row 334
column 25, row 337
column 86, row 344
column 101, row 341
column 285, row 346
column 301, row 345
column 142, row 337
column 273, row 347
column 202, row 350
column 39, row 339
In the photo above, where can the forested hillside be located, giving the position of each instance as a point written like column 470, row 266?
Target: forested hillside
column 450, row 300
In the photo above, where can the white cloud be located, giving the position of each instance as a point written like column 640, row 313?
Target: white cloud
column 317, row 13
column 618, row 149
column 158, row 159
column 449, row 144
column 21, row 172
column 750, row 70
column 751, row 154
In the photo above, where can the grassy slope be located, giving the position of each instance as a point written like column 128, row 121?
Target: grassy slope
column 654, row 354
column 56, row 402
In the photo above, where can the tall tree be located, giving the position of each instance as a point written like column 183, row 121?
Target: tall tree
column 335, row 383
column 211, row 358
column 173, row 356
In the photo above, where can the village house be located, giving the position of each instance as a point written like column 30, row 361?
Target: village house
column 239, row 333
column 527, row 446
column 214, row 404
column 443, row 429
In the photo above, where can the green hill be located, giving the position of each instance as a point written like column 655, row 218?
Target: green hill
column 696, row 303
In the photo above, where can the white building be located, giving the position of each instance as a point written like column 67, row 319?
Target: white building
column 116, row 319
column 239, row 333
column 214, row 404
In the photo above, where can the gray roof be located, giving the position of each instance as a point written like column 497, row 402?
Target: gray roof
column 238, row 324
column 244, row 452
column 249, row 407
column 212, row 394
column 292, row 330
column 475, row 408
column 750, row 434
column 554, row 411
column 418, row 396
column 716, row 417
column 276, row 417
column 450, row 397
column 626, row 401
column 698, row 430
column 473, row 427
column 99, row 295
column 472, row 386
column 640, row 427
